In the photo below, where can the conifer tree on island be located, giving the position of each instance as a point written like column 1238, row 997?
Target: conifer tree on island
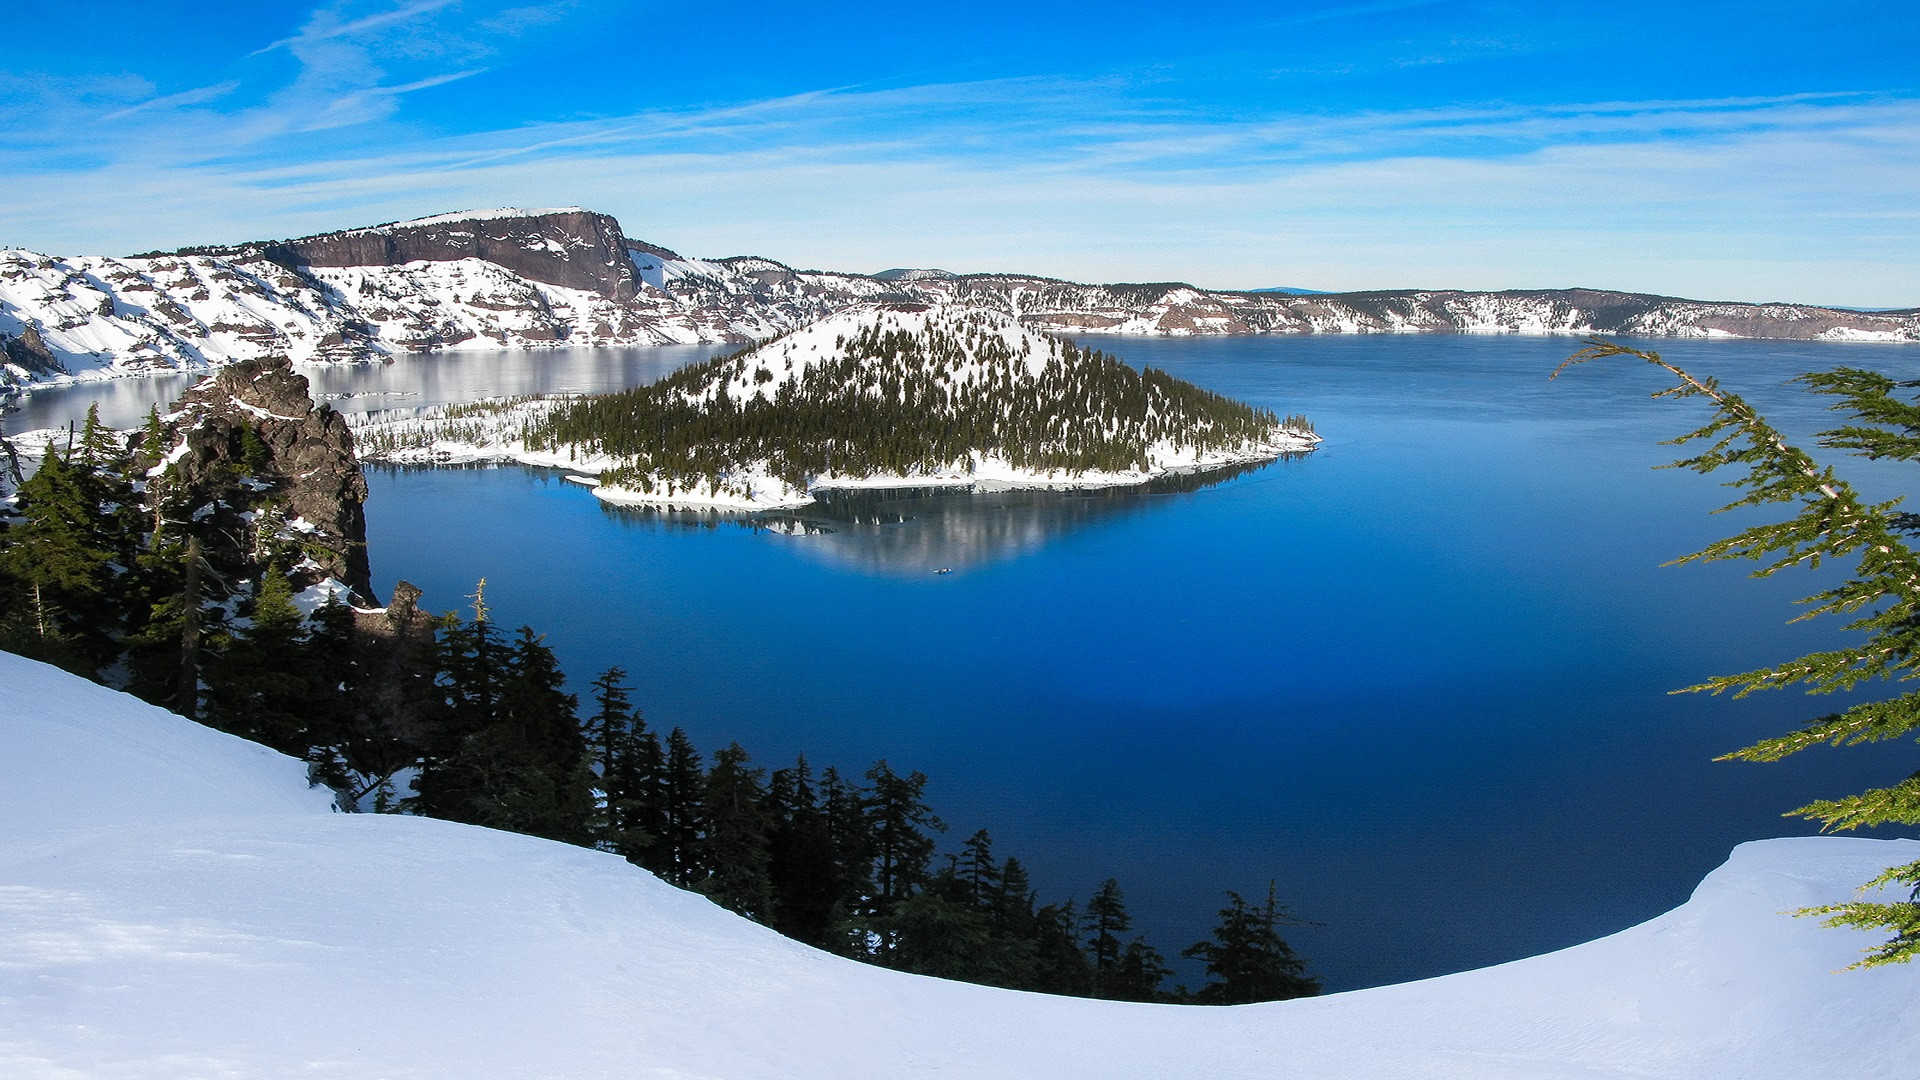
column 1882, row 596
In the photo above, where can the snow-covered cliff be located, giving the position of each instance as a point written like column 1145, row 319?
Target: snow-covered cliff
column 174, row 902
column 569, row 276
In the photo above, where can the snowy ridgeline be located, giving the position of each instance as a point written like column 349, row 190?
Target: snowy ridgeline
column 507, row 278
column 798, row 414
column 175, row 902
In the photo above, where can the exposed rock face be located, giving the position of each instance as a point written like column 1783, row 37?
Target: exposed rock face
column 30, row 353
column 576, row 249
column 250, row 442
column 534, row 278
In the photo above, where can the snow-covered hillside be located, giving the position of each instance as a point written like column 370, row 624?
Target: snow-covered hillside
column 175, row 903
column 489, row 279
column 1037, row 411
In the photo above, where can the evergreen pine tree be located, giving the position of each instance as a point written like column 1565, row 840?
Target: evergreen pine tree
column 1882, row 597
column 897, row 813
column 507, row 751
column 682, row 794
column 1105, row 924
column 850, row 835
column 550, row 783
column 611, row 721
column 1059, row 964
column 157, row 601
column 98, row 448
column 938, row 931
column 642, row 784
column 1141, row 973
column 260, row 688
column 354, row 741
column 59, row 553
column 254, row 455
column 801, row 861
column 627, row 773
column 1247, row 958
column 734, row 843
column 153, row 436
column 978, row 872
column 1012, row 902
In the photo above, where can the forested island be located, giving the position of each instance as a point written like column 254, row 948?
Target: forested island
column 883, row 396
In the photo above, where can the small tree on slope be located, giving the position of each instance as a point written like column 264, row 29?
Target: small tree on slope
column 1882, row 596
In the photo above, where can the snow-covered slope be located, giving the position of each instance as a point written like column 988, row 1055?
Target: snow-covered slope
column 175, row 903
column 569, row 276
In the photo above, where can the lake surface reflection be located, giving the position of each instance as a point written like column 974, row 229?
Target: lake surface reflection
column 1419, row 678
column 942, row 530
column 428, row 379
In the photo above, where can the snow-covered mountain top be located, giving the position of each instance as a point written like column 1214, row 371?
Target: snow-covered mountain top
column 175, row 903
column 472, row 215
column 976, row 332
column 569, row 276
column 906, row 274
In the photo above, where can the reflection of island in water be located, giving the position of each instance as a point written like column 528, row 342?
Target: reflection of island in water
column 913, row 531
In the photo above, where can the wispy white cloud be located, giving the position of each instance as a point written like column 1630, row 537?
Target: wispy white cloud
column 1800, row 196
column 197, row 96
column 327, row 23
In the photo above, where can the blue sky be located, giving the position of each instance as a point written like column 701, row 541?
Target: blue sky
column 1757, row 150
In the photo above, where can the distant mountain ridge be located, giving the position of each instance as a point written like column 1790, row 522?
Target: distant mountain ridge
column 570, row 276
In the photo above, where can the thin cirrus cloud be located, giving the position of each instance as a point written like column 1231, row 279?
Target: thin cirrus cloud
column 326, row 24
column 196, row 96
column 1803, row 196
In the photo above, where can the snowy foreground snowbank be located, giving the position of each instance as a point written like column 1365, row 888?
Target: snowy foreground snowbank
column 176, row 903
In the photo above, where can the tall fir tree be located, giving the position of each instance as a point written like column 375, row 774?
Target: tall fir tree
column 898, row 820
column 554, row 785
column 850, row 834
column 734, row 841
column 260, row 686
column 1105, row 923
column 60, row 555
column 1881, row 598
column 506, row 751
column 1247, row 958
column 683, row 806
column 801, row 862
column 628, row 775
column 356, row 740
column 978, row 872
column 1141, row 974
column 938, row 931
column 1059, row 964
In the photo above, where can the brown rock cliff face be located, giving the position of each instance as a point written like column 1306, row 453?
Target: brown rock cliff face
column 304, row 463
column 31, row 353
column 575, row 249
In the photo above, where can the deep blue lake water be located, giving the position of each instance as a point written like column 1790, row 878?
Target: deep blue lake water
column 1420, row 679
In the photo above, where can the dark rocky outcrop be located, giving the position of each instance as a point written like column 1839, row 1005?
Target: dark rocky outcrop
column 577, row 249
column 250, row 449
column 31, row 353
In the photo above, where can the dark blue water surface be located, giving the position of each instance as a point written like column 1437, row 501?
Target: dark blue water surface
column 1419, row 679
